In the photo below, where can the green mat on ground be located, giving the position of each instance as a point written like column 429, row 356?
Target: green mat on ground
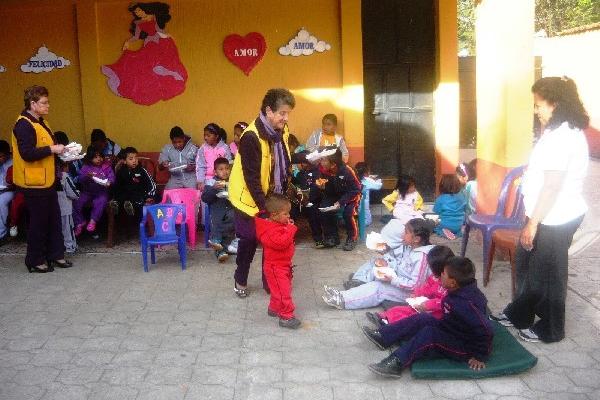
column 508, row 357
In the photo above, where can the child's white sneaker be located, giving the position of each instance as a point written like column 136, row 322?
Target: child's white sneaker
column 14, row 231
column 233, row 246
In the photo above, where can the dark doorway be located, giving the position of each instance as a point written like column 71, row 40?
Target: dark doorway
column 399, row 76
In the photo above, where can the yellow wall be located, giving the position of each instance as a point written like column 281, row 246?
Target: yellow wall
column 19, row 42
column 216, row 91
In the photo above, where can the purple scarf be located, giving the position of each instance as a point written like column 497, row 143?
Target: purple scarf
column 280, row 172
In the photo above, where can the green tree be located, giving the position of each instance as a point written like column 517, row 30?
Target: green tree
column 466, row 26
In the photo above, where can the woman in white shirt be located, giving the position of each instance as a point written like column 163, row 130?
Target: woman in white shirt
column 554, row 206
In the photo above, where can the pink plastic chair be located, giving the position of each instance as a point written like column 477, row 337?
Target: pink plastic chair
column 190, row 198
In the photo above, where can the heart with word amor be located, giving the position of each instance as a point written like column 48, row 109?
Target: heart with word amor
column 245, row 52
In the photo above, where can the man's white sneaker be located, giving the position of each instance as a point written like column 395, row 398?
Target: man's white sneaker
column 528, row 336
column 502, row 319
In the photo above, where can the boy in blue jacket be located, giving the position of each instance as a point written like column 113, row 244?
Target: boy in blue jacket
column 464, row 333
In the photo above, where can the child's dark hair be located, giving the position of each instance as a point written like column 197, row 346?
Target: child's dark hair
column 127, row 150
column 336, row 158
column 241, row 125
column 437, row 258
column 216, row 130
column 467, row 170
column 176, row 132
column 449, row 184
column 361, row 169
column 91, row 152
column 293, row 141
column 330, row 117
column 61, row 138
column 421, row 228
column 97, row 135
column 461, row 269
column 403, row 184
column 276, row 202
column 4, row 147
column 219, row 161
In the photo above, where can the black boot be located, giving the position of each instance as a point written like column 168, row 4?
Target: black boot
column 390, row 367
column 374, row 336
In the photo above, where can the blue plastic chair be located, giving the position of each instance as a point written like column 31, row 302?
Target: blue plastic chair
column 487, row 224
column 165, row 217
column 362, row 216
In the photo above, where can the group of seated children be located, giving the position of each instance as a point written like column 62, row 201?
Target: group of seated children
column 442, row 312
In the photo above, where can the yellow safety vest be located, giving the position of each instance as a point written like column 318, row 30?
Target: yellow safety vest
column 34, row 174
column 239, row 195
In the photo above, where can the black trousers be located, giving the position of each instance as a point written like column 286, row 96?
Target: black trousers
column 245, row 230
column 329, row 220
column 542, row 282
column 44, row 234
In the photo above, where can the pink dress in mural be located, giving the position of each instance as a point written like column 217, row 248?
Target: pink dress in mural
column 151, row 73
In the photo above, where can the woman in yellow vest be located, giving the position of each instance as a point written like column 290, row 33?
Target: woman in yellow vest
column 35, row 174
column 261, row 167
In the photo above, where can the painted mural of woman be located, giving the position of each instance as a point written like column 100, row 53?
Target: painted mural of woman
column 154, row 72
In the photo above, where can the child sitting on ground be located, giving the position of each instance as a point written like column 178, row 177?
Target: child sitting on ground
column 450, row 206
column 432, row 290
column 368, row 183
column 95, row 177
column 463, row 333
column 404, row 268
column 179, row 158
column 276, row 234
column 404, row 202
column 66, row 197
column 467, row 176
column 134, row 186
column 222, row 229
column 339, row 188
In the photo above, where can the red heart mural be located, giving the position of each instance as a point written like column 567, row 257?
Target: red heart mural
column 245, row 52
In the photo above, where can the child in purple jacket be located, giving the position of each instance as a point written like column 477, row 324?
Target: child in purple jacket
column 95, row 177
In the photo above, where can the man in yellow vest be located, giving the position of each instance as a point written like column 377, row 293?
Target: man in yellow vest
column 261, row 167
column 35, row 173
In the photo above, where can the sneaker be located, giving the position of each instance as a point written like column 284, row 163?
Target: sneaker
column 222, row 256
column 233, row 246
column 292, row 323
column 14, row 231
column 114, row 206
column 349, row 245
column 331, row 290
column 501, row 318
column 329, row 243
column 375, row 319
column 91, row 226
column 374, row 337
column 528, row 335
column 390, row 367
column 334, row 299
column 272, row 313
column 128, row 207
column 79, row 229
column 215, row 244
column 319, row 244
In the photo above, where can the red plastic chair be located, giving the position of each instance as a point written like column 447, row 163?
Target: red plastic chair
column 190, row 199
column 487, row 224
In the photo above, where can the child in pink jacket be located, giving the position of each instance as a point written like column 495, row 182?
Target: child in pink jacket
column 432, row 289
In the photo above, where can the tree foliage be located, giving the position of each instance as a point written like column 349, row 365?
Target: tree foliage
column 553, row 16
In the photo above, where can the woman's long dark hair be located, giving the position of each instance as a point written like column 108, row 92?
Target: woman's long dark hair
column 159, row 10
column 562, row 93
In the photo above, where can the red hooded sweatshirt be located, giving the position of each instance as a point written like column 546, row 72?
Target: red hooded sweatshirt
column 277, row 240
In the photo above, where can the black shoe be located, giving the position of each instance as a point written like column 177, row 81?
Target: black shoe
column 349, row 245
column 329, row 243
column 292, row 323
column 374, row 336
column 56, row 264
column 352, row 284
column 272, row 313
column 390, row 367
column 128, row 207
column 39, row 270
column 241, row 293
column 319, row 244
column 375, row 319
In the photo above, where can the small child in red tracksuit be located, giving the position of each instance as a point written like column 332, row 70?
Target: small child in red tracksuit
column 276, row 234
